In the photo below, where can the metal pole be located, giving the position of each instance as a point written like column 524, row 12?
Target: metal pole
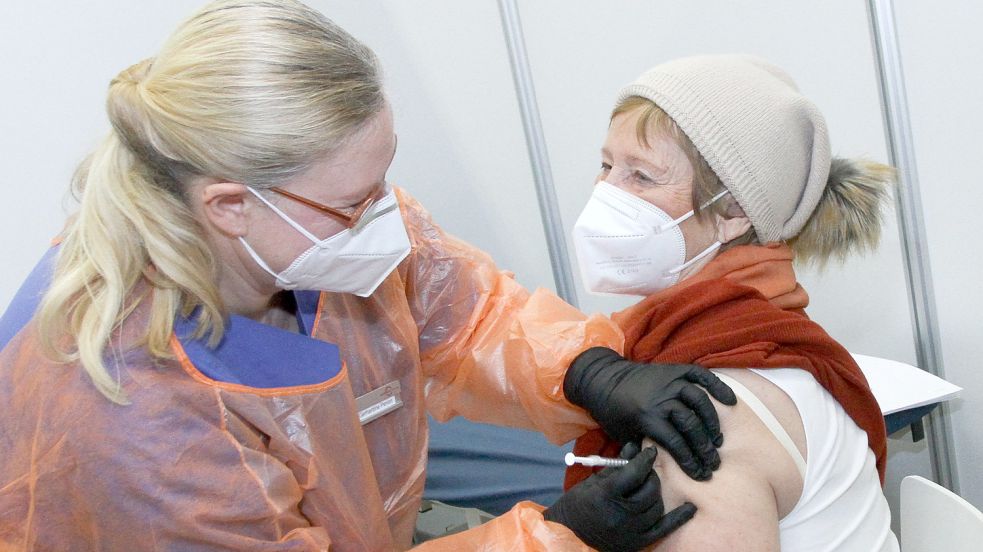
column 538, row 156
column 914, row 245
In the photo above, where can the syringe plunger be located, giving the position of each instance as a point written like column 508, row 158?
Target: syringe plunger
column 593, row 460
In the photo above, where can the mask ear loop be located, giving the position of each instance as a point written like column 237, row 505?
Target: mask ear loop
column 716, row 245
column 689, row 263
column 259, row 260
column 284, row 216
column 252, row 252
column 688, row 215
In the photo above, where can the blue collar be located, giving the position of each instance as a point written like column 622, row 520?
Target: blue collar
column 255, row 355
column 250, row 353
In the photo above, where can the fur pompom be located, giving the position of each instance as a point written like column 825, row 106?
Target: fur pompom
column 849, row 214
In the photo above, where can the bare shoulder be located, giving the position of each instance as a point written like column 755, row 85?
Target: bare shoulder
column 756, row 485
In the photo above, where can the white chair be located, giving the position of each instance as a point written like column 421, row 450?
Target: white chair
column 934, row 519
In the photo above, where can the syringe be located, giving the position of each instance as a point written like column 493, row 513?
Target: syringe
column 593, row 460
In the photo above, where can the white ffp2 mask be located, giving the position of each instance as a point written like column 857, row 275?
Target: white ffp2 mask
column 349, row 261
column 627, row 246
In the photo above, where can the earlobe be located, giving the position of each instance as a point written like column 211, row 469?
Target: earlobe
column 224, row 207
column 731, row 228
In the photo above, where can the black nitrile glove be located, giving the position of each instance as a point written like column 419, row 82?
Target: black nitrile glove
column 632, row 400
column 620, row 508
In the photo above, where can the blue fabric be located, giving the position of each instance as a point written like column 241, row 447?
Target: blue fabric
column 21, row 309
column 260, row 356
column 250, row 353
column 492, row 468
column 307, row 302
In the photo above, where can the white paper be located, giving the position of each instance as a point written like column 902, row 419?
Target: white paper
column 898, row 386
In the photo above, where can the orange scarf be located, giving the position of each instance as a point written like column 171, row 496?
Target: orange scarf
column 744, row 309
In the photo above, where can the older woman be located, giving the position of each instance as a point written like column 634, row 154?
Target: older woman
column 241, row 331
column 716, row 173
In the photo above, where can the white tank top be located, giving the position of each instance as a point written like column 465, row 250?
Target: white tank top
column 842, row 507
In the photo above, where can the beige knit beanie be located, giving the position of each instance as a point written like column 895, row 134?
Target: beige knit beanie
column 766, row 141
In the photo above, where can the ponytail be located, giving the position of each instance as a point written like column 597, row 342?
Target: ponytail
column 133, row 224
column 849, row 215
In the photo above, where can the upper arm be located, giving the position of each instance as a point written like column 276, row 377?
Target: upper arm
column 737, row 509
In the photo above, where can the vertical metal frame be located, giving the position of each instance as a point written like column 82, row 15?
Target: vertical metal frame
column 538, row 156
column 914, row 244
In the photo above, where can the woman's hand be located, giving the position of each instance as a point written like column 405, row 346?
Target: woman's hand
column 664, row 402
column 620, row 508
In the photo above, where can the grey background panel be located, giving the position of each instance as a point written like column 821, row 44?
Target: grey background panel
column 941, row 49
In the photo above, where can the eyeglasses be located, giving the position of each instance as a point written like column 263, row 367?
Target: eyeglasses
column 352, row 218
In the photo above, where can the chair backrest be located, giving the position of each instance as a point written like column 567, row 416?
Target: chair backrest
column 935, row 519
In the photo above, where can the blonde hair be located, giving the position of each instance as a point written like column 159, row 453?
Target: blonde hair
column 247, row 91
column 847, row 219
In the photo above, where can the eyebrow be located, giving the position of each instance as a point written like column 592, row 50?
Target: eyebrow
column 632, row 159
column 635, row 160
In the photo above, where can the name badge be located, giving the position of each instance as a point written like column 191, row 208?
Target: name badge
column 378, row 402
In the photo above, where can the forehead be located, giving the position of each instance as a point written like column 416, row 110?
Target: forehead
column 373, row 143
column 625, row 138
column 359, row 164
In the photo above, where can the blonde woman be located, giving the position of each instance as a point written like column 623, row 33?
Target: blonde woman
column 236, row 340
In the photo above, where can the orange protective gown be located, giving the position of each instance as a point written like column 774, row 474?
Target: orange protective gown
column 194, row 463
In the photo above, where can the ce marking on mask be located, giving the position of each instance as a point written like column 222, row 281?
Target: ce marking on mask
column 624, row 266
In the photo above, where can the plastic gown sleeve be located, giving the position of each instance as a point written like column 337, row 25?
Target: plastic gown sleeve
column 491, row 351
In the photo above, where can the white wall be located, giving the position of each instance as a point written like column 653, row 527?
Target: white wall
column 462, row 149
column 57, row 59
